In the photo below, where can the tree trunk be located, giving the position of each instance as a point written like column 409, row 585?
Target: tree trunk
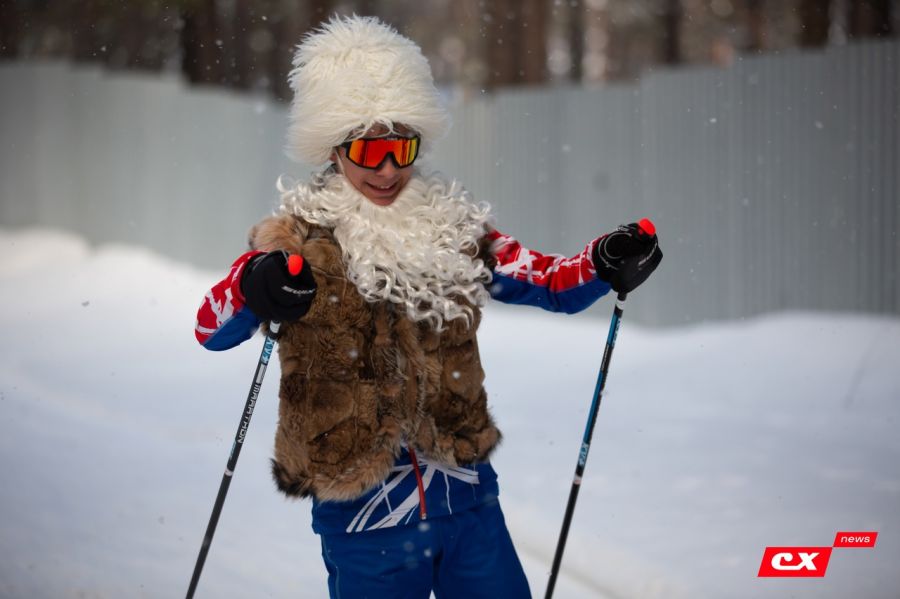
column 517, row 42
column 501, row 42
column 320, row 11
column 671, row 42
column 87, row 22
column 756, row 25
column 577, row 17
column 287, row 31
column 243, row 60
column 10, row 28
column 366, row 8
column 815, row 21
column 869, row 18
column 200, row 55
column 532, row 48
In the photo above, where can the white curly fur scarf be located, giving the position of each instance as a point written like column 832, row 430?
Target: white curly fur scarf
column 416, row 253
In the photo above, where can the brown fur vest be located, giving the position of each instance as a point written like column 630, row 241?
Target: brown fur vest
column 357, row 378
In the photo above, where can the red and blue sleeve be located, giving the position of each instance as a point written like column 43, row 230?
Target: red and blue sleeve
column 549, row 281
column 223, row 320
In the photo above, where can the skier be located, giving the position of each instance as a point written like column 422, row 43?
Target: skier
column 383, row 418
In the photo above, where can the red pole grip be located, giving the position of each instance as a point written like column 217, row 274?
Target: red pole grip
column 647, row 227
column 295, row 264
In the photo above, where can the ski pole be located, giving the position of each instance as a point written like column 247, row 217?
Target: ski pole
column 295, row 265
column 235, row 453
column 586, row 442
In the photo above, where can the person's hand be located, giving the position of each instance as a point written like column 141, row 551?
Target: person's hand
column 278, row 287
column 627, row 256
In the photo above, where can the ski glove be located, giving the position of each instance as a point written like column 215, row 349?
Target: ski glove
column 627, row 256
column 272, row 292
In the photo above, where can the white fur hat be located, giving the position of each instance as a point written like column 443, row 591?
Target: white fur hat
column 355, row 72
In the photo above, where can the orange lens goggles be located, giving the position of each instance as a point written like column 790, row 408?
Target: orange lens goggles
column 372, row 152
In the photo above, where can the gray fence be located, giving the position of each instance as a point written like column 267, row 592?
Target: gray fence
column 774, row 183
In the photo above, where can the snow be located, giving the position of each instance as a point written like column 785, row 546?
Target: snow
column 713, row 442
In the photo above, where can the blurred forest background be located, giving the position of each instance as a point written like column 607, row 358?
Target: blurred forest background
column 762, row 135
column 474, row 46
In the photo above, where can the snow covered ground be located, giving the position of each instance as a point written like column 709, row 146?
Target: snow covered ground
column 713, row 442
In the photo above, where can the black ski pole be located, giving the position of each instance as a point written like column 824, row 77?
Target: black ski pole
column 586, row 442
column 235, row 452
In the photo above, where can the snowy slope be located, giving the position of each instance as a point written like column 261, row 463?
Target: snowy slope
column 713, row 442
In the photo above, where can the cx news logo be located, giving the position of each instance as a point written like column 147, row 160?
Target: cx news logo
column 809, row 561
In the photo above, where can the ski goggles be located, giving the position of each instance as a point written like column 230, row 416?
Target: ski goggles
column 371, row 152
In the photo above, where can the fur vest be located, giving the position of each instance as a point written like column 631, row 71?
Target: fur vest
column 357, row 378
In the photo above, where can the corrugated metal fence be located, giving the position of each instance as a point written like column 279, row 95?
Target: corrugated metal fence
column 774, row 183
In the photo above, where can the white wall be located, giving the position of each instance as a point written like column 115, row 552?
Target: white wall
column 774, row 183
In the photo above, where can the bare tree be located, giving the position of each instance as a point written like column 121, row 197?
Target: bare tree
column 244, row 60
column 367, row 7
column 501, row 38
column 138, row 32
column 756, row 25
column 517, row 42
column 671, row 39
column 319, row 12
column 577, row 17
column 869, row 18
column 201, row 56
column 10, row 28
column 87, row 26
column 288, row 24
column 815, row 22
column 532, row 54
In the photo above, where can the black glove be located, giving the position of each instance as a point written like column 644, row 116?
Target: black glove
column 627, row 256
column 272, row 292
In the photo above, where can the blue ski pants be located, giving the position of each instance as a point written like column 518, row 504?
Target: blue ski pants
column 468, row 555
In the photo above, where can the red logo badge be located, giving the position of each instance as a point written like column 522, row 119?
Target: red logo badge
column 795, row 561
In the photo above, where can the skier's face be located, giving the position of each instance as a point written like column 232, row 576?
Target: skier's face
column 380, row 185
